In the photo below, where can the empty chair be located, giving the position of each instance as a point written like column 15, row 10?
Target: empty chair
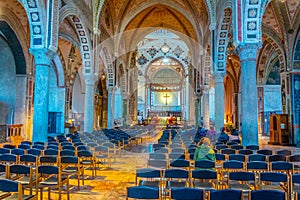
column 284, row 152
column 221, row 146
column 24, row 146
column 176, row 178
column 142, row 192
column 180, row 163
column 161, row 156
column 33, row 151
column 18, row 151
column 3, row 170
column 226, row 195
column 51, row 152
column 4, row 150
column 238, row 157
column 148, row 177
column 273, row 181
column 245, row 151
column 29, row 159
column 244, row 181
column 205, row 179
column 228, row 151
column 187, row 193
column 70, row 165
column 266, row 152
column 266, row 194
column 205, row 164
column 296, row 160
column 27, row 143
column 8, row 159
column 176, row 156
column 257, row 157
column 67, row 153
column 295, row 185
column 275, row 158
column 13, row 190
column 38, row 146
column 162, row 150
column 157, row 163
column 257, row 166
column 236, row 147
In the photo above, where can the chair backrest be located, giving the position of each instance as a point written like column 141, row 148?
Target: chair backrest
column 205, row 164
column 275, row 158
column 68, row 147
column 9, row 146
column 51, row 152
column 67, row 153
column 26, row 142
column 157, row 163
column 180, row 163
column 47, row 169
column 176, row 156
column 282, row 166
column 28, row 159
column 266, row 152
column 176, row 173
column 228, row 151
column 36, row 152
column 252, row 147
column 142, row 192
column 204, row 174
column 238, row 157
column 294, row 158
column 69, row 160
column 273, row 177
column 187, row 193
column 10, row 158
column 245, row 151
column 38, row 146
column 226, row 195
column 52, row 160
column 161, row 156
column 257, row 157
column 284, row 152
column 267, row 194
column 4, row 150
column 24, row 146
column 242, row 176
column 237, row 147
column 233, row 165
column 257, row 166
column 9, row 185
column 20, row 169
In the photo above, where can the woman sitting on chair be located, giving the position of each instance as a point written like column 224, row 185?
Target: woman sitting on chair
column 204, row 151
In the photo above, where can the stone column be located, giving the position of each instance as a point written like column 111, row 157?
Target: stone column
column 187, row 100
column 198, row 109
column 110, row 109
column 249, row 122
column 146, row 101
column 42, row 59
column 236, row 110
column 219, row 100
column 89, row 104
column 205, row 103
column 20, row 99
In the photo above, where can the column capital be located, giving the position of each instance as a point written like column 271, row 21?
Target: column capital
column 97, row 31
column 42, row 56
column 111, row 90
column 248, row 51
column 219, row 77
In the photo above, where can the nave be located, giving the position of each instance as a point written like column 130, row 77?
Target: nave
column 112, row 180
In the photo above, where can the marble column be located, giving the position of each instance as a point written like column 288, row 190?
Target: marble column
column 20, row 99
column 205, row 102
column 89, row 104
column 110, row 109
column 236, row 110
column 42, row 59
column 198, row 110
column 187, row 100
column 146, row 101
column 249, row 103
column 219, row 100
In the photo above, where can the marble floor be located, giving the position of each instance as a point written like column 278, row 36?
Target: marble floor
column 111, row 183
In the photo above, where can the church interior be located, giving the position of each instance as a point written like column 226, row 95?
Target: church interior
column 111, row 99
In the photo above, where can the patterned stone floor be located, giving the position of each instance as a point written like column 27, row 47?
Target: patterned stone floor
column 111, row 184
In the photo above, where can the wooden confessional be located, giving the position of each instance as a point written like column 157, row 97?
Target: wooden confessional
column 279, row 129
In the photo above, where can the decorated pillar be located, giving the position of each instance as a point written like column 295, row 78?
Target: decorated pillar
column 187, row 100
column 146, row 101
column 42, row 59
column 219, row 100
column 89, row 103
column 205, row 103
column 198, row 109
column 249, row 101
column 110, row 110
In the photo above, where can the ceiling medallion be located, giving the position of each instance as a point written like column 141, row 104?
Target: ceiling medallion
column 142, row 60
column 165, row 48
column 152, row 51
column 178, row 51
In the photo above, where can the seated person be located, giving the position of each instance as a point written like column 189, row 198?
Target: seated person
column 204, row 151
column 223, row 136
column 234, row 136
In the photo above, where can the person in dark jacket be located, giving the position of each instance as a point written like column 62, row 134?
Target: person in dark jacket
column 223, row 136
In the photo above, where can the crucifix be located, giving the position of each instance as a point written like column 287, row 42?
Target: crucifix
column 166, row 96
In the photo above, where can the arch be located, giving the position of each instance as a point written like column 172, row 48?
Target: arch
column 222, row 41
column 83, row 36
column 122, row 77
column 60, row 65
column 108, row 61
column 34, row 10
column 296, row 51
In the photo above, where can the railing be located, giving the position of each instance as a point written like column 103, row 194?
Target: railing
column 14, row 132
column 166, row 108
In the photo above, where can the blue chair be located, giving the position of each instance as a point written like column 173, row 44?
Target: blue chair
column 29, row 159
column 257, row 157
column 24, row 146
column 176, row 178
column 13, row 190
column 142, row 192
column 54, row 179
column 176, row 156
column 33, row 151
column 257, row 166
column 48, row 160
column 237, row 157
column 275, row 158
column 9, row 146
column 70, row 165
column 252, row 147
column 266, row 194
column 226, row 195
column 205, row 179
column 284, row 152
column 8, row 158
column 273, row 181
column 51, row 152
column 245, row 151
column 161, row 156
column 157, row 163
column 266, row 152
column 205, row 164
column 180, row 163
column 3, row 170
column 18, row 151
column 87, row 159
column 4, row 150
column 187, row 194
column 27, row 143
column 244, row 181
column 38, row 146
column 67, row 153
column 149, row 177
